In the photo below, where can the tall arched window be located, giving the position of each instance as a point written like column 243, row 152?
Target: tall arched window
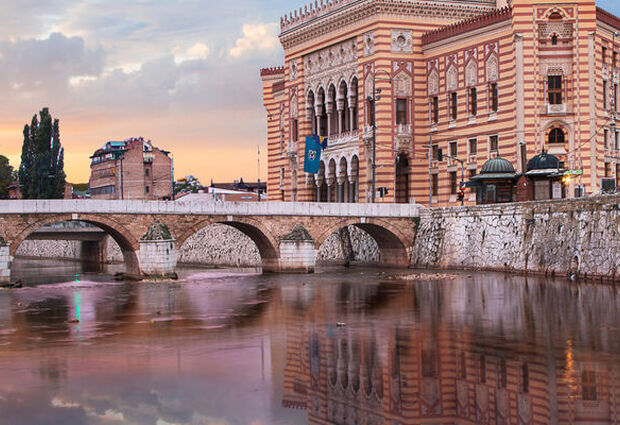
column 556, row 136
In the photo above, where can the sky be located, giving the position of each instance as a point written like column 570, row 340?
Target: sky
column 182, row 73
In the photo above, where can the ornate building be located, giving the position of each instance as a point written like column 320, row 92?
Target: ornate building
column 476, row 79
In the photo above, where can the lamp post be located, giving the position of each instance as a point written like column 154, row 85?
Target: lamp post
column 374, row 99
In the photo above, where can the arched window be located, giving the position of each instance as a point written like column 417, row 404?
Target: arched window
column 554, row 40
column 556, row 136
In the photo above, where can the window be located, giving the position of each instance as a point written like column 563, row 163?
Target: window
column 435, row 109
column 401, row 111
column 588, row 385
column 525, row 377
column 503, row 374
column 371, row 112
column 282, row 176
column 473, row 146
column 556, row 136
column 483, row 369
column 473, row 102
column 435, row 188
column 494, row 96
column 617, row 140
column 428, row 363
column 435, row 154
column 555, row 89
column 146, row 172
column 614, row 56
column 453, row 149
column 472, row 174
column 605, row 96
column 453, row 183
column 147, row 189
column 463, row 366
column 604, row 54
column 606, row 138
column 494, row 143
column 453, row 105
column 554, row 40
column 606, row 169
column 294, row 130
column 615, row 97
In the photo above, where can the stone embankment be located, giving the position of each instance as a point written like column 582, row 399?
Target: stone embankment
column 579, row 238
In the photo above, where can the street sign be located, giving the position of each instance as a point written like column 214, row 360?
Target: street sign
column 573, row 173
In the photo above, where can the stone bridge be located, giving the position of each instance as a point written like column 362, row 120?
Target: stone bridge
column 287, row 234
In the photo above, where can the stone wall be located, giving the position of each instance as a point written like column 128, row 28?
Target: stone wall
column 568, row 237
column 64, row 250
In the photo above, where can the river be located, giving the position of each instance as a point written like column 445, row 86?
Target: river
column 342, row 346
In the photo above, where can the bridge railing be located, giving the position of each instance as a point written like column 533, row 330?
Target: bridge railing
column 208, row 208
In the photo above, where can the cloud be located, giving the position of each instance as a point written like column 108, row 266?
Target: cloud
column 198, row 51
column 256, row 38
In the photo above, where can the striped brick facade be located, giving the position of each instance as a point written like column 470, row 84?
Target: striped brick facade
column 418, row 51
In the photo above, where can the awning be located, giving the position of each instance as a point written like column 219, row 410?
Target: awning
column 494, row 176
column 544, row 172
column 471, row 184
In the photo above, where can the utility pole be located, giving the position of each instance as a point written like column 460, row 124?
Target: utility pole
column 430, row 170
column 374, row 99
column 172, row 175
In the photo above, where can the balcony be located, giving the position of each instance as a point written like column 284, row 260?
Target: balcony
column 557, row 109
column 292, row 149
column 403, row 130
column 344, row 138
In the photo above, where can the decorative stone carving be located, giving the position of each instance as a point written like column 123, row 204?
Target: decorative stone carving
column 492, row 68
column 293, row 68
column 331, row 64
column 294, row 107
column 401, row 41
column 282, row 117
column 452, row 79
column 561, row 29
column 429, row 393
column 503, row 403
column 471, row 73
column 402, row 85
column 433, row 83
column 525, row 408
column 369, row 43
column 462, row 396
column 368, row 85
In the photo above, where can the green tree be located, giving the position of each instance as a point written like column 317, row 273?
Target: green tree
column 6, row 177
column 41, row 173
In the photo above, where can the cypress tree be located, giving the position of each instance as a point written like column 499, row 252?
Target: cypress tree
column 6, row 177
column 41, row 173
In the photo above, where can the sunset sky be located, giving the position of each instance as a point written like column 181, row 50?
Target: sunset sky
column 183, row 73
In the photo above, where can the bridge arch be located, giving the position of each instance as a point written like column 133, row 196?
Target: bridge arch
column 394, row 245
column 266, row 243
column 128, row 243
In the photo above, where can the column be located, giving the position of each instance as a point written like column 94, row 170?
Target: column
column 5, row 264
column 318, row 109
column 330, row 113
column 340, row 108
column 352, row 117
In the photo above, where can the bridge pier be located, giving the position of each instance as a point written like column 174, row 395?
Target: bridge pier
column 158, row 259
column 297, row 252
column 5, row 264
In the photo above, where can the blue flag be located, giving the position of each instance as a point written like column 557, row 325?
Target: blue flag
column 312, row 158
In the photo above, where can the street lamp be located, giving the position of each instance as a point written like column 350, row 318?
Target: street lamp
column 373, row 100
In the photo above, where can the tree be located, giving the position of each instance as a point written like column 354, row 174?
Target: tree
column 6, row 177
column 41, row 172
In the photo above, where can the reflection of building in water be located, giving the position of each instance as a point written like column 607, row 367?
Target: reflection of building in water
column 418, row 369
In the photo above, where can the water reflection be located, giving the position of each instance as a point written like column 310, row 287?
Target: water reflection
column 356, row 347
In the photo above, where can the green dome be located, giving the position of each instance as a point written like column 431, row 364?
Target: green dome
column 543, row 161
column 497, row 166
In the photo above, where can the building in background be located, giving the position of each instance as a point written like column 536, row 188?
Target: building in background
column 131, row 169
column 474, row 79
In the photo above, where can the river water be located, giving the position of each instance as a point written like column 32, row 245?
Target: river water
column 357, row 346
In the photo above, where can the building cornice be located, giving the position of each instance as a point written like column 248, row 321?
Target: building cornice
column 470, row 24
column 607, row 18
column 338, row 14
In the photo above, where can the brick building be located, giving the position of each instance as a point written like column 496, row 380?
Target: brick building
column 476, row 79
column 131, row 169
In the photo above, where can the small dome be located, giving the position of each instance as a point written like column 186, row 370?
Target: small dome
column 543, row 161
column 496, row 166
